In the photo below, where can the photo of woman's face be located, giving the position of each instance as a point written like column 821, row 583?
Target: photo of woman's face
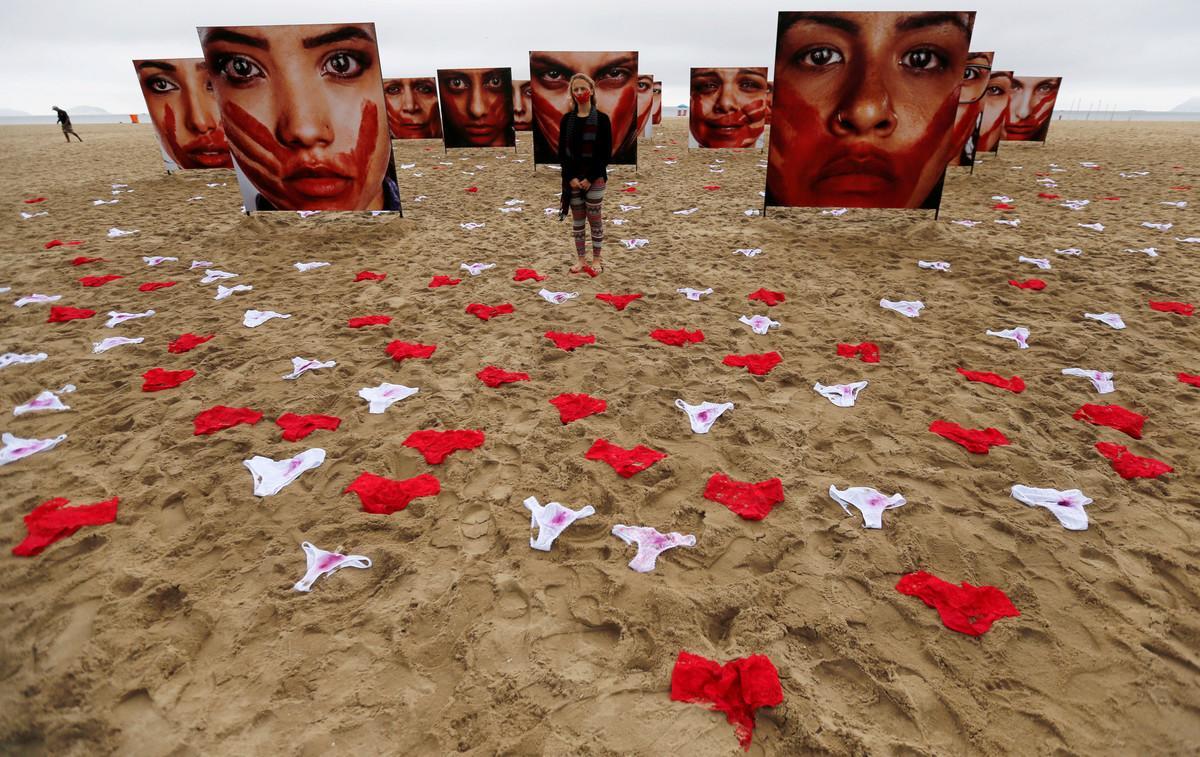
column 477, row 107
column 657, row 117
column 995, row 111
column 303, row 111
column 645, row 100
column 970, row 101
column 615, row 74
column 522, row 105
column 412, row 108
column 729, row 106
column 180, row 100
column 1030, row 108
column 864, row 107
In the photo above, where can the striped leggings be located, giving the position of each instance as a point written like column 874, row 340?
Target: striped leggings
column 587, row 205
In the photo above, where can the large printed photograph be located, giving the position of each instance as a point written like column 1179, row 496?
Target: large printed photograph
column 412, row 108
column 477, row 107
column 645, row 100
column 729, row 107
column 304, row 114
column 522, row 105
column 994, row 114
column 1031, row 107
column 864, row 106
column 616, row 77
column 180, row 100
column 969, row 118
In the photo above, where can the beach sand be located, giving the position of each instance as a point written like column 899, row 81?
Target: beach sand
column 175, row 630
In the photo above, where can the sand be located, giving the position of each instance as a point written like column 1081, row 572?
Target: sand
column 175, row 630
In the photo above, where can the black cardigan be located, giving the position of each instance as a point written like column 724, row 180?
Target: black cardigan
column 579, row 168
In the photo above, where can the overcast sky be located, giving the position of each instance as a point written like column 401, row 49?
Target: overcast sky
column 1125, row 54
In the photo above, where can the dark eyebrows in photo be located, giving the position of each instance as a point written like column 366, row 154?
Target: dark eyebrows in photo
column 343, row 34
column 824, row 19
column 235, row 38
column 161, row 65
column 916, row 21
column 548, row 61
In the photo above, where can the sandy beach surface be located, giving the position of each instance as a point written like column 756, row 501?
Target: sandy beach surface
column 175, row 630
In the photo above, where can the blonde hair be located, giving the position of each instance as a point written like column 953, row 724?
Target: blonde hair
column 591, row 85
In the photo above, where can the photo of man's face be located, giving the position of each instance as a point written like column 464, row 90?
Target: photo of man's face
column 522, row 105
column 645, row 101
column 616, row 77
column 180, row 100
column 303, row 110
column 477, row 107
column 970, row 105
column 412, row 108
column 864, row 107
column 656, row 119
column 729, row 106
column 1030, row 108
column 995, row 111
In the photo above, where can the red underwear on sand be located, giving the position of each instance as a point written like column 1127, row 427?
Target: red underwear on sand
column 752, row 501
column 967, row 609
column 737, row 688
column 677, row 337
column 626, row 462
column 187, row 342
column 759, row 365
column 767, row 296
column 523, row 274
column 61, row 314
column 151, row 286
column 370, row 276
column 567, row 341
column 485, row 312
column 1129, row 465
column 53, row 520
column 618, row 301
column 1188, row 378
column 1015, row 384
column 975, row 440
column 369, row 320
column 157, row 379
column 1035, row 284
column 384, row 496
column 1113, row 416
column 98, row 281
column 81, row 260
column 401, row 350
column 1182, row 308
column 221, row 417
column 436, row 446
column 442, row 281
column 572, row 407
column 296, row 427
column 494, row 377
column 868, row 352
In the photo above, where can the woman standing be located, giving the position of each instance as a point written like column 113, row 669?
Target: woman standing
column 584, row 148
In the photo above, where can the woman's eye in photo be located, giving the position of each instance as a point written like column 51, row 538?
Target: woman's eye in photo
column 971, row 74
column 424, row 88
column 343, row 65
column 820, row 56
column 616, row 75
column 1046, row 87
column 159, row 85
column 239, row 69
column 705, row 87
column 922, row 59
column 751, row 85
column 494, row 82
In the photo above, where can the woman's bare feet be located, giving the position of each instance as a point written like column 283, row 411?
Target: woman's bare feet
column 578, row 267
column 597, row 264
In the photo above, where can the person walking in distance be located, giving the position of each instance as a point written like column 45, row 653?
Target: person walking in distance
column 65, row 121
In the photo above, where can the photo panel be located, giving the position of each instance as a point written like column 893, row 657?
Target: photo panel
column 477, row 107
column 970, row 107
column 864, row 105
column 187, row 121
column 304, row 114
column 616, row 77
column 412, row 108
column 728, row 107
column 1031, row 107
column 994, row 114
column 522, row 105
column 656, row 119
column 645, row 98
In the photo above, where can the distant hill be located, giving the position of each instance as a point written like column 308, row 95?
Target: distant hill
column 13, row 112
column 1188, row 106
column 87, row 110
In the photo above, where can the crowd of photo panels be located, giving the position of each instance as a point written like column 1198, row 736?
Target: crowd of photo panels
column 866, row 109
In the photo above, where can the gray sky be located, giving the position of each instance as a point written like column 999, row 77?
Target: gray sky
column 1124, row 54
